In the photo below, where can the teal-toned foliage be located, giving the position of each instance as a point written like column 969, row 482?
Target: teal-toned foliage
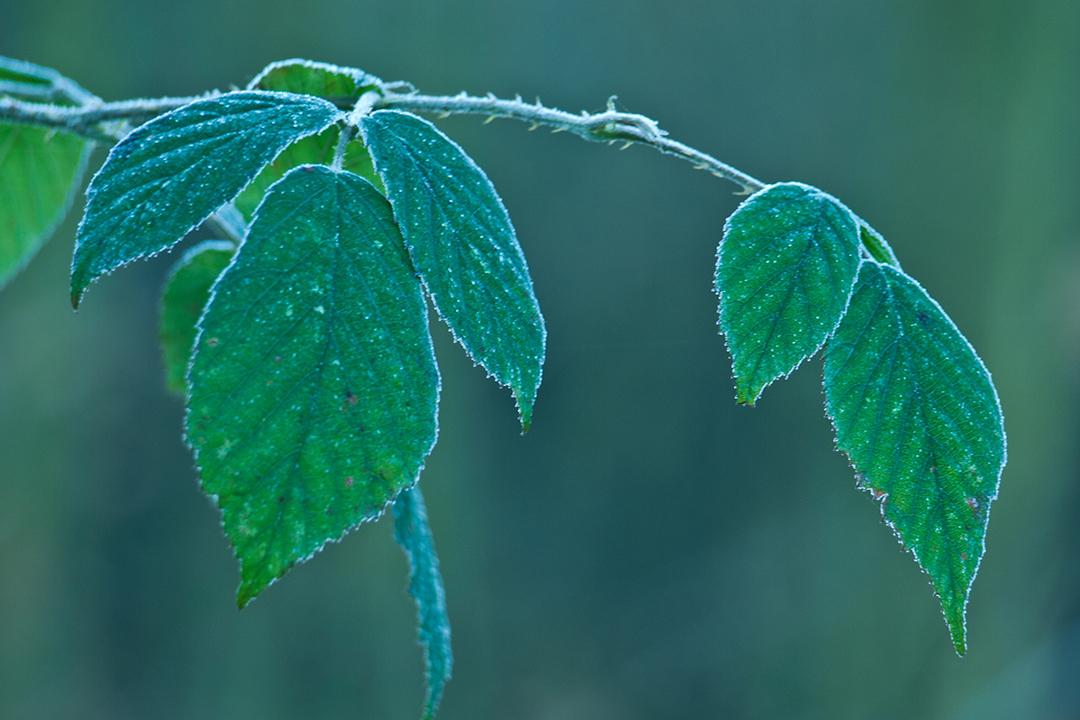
column 915, row 410
column 301, row 340
column 169, row 175
column 464, row 247
column 784, row 273
column 313, row 387
column 413, row 533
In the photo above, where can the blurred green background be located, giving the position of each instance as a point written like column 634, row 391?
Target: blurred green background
column 649, row 550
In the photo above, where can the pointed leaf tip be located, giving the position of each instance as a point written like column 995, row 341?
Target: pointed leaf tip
column 413, row 534
column 463, row 245
column 917, row 414
column 169, row 175
column 313, row 401
column 785, row 269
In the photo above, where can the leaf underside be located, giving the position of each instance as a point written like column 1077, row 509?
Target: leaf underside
column 461, row 242
column 172, row 173
column 313, row 387
column 785, row 270
column 186, row 293
column 40, row 171
column 917, row 414
column 342, row 86
column 413, row 534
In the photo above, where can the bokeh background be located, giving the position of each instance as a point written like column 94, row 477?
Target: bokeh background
column 648, row 550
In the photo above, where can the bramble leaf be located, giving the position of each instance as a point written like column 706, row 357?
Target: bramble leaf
column 784, row 272
column 40, row 168
column 343, row 87
column 40, row 172
column 37, row 83
column 463, row 245
column 313, row 389
column 172, row 173
column 916, row 412
column 413, row 534
column 186, row 293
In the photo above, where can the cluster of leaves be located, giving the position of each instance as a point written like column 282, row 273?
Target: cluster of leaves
column 305, row 356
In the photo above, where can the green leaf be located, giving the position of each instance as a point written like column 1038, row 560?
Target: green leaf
column 41, row 84
column 916, row 412
column 40, row 172
column 343, row 87
column 463, row 245
column 875, row 244
column 40, row 168
column 186, row 293
column 784, row 273
column 413, row 534
column 313, row 389
column 172, row 173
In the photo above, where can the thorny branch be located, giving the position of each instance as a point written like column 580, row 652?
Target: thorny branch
column 109, row 121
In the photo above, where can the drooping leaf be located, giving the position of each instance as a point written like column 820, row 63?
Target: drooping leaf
column 343, row 87
column 413, row 534
column 40, row 172
column 186, row 293
column 463, row 245
column 784, row 272
column 313, row 389
column 172, row 173
column 916, row 412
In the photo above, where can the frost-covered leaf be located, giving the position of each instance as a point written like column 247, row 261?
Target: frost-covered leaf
column 313, row 389
column 40, row 172
column 172, row 173
column 463, row 245
column 412, row 532
column 916, row 412
column 784, row 272
column 342, row 86
column 186, row 293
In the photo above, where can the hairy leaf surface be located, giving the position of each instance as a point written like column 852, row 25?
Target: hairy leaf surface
column 916, row 412
column 40, row 172
column 784, row 272
column 313, row 389
column 412, row 532
column 342, row 86
column 463, row 245
column 172, row 173
column 186, row 293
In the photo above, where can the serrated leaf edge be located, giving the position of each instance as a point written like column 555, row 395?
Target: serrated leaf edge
column 243, row 600
column 77, row 295
column 526, row 418
column 752, row 402
column 960, row 645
